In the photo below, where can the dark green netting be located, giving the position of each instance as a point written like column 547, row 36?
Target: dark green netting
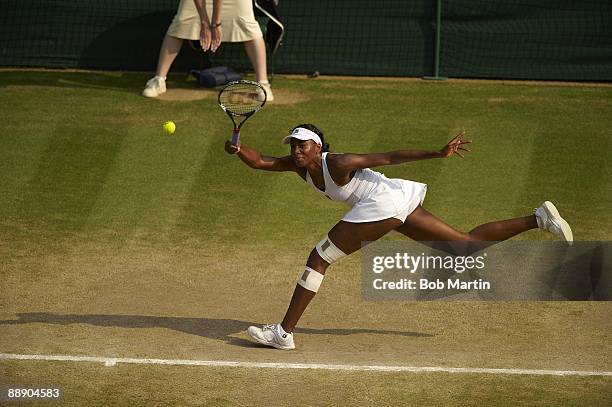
column 535, row 39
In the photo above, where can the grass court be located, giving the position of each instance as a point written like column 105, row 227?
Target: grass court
column 117, row 240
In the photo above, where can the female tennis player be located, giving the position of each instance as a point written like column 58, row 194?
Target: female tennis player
column 379, row 205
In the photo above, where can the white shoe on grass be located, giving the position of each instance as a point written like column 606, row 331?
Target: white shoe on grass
column 272, row 335
column 549, row 219
column 269, row 94
column 155, row 87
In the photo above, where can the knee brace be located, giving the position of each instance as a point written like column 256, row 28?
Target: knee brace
column 328, row 250
column 311, row 279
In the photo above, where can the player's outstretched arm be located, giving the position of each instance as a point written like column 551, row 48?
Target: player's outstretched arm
column 351, row 162
column 254, row 159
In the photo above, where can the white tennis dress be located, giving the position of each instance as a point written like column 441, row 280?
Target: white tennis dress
column 372, row 195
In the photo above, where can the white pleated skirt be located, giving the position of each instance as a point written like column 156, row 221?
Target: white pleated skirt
column 395, row 198
column 237, row 18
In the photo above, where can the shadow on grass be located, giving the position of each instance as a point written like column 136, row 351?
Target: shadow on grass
column 129, row 82
column 219, row 329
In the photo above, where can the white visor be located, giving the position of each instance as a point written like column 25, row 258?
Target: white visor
column 301, row 133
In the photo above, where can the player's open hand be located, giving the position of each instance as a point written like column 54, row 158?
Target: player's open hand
column 230, row 148
column 456, row 144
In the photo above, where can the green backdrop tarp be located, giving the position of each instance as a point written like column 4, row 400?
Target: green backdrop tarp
column 520, row 39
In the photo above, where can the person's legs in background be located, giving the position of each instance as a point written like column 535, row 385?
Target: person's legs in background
column 170, row 48
column 256, row 51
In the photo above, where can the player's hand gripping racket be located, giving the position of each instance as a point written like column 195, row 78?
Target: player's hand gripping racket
column 241, row 99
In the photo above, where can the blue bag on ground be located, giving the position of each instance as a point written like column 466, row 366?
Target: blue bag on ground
column 217, row 76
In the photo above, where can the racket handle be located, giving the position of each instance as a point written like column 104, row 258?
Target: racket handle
column 236, row 137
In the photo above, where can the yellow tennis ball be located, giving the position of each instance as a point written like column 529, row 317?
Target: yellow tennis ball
column 169, row 127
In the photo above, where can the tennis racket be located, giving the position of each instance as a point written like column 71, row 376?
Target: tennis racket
column 241, row 99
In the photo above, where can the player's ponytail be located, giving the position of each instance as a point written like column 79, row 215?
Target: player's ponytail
column 325, row 146
column 314, row 129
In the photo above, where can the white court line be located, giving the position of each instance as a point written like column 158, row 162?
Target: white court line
column 109, row 361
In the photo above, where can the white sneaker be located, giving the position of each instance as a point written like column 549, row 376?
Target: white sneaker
column 155, row 87
column 549, row 219
column 269, row 94
column 272, row 335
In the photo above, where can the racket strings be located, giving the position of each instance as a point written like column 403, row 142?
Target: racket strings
column 242, row 98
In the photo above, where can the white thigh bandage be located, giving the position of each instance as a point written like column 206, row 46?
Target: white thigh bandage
column 328, row 250
column 311, row 279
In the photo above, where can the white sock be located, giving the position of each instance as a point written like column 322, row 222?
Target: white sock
column 163, row 78
column 539, row 220
column 281, row 330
